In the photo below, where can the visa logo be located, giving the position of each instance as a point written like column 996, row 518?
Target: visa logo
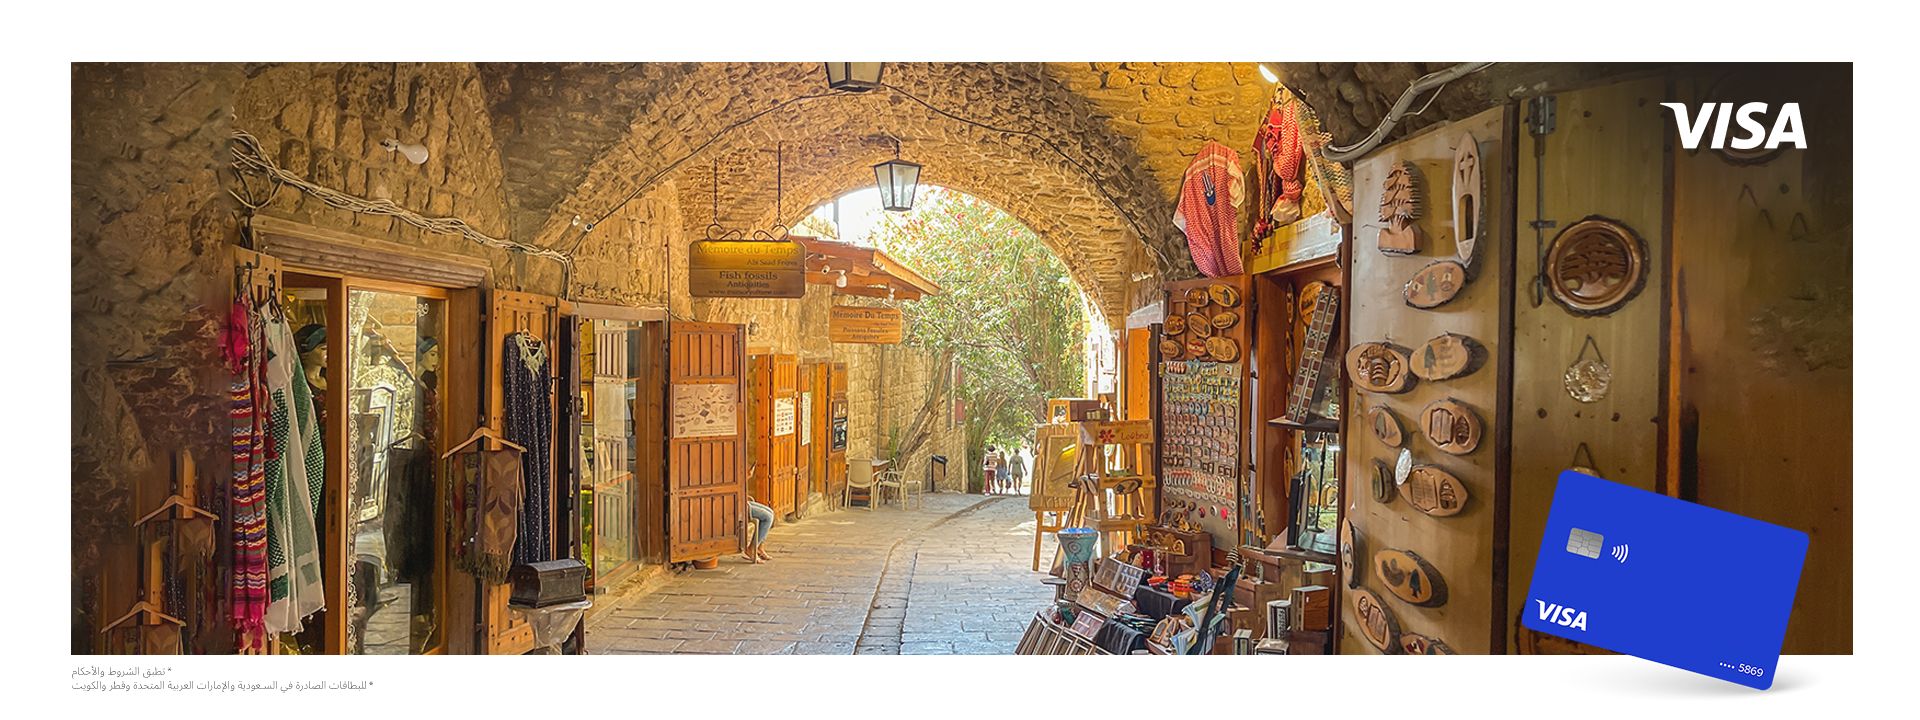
column 1562, row 616
column 1693, row 128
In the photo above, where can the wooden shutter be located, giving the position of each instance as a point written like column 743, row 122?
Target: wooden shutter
column 706, row 473
column 776, row 478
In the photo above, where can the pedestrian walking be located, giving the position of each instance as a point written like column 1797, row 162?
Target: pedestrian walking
column 988, row 468
column 1017, row 466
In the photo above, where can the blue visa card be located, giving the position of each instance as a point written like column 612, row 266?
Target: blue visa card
column 1667, row 580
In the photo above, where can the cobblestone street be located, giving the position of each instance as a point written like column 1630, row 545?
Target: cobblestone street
column 950, row 577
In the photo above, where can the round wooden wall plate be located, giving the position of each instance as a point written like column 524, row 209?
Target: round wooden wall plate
column 1197, row 348
column 1417, row 644
column 1379, row 367
column 1445, row 357
column 1223, row 348
column 1196, row 298
column 1349, row 549
column 1385, row 425
column 1376, row 623
column 1451, row 426
column 1223, row 295
column 1197, row 326
column 1170, row 349
column 1224, row 319
column 1410, row 577
column 1174, row 326
column 1383, row 483
column 1434, row 491
column 1436, row 284
column 1595, row 266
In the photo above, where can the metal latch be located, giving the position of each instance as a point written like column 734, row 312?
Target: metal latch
column 1541, row 115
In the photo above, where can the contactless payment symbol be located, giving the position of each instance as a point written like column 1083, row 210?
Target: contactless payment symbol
column 1709, row 591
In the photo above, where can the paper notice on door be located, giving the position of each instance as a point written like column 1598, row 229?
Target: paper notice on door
column 705, row 410
column 783, row 417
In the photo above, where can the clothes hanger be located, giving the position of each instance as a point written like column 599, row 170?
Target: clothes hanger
column 483, row 432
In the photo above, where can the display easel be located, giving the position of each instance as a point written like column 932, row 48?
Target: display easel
column 1056, row 463
column 1111, row 493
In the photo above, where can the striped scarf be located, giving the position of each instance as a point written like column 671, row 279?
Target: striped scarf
column 248, row 503
column 1211, row 193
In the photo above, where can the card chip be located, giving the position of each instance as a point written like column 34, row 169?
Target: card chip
column 1583, row 543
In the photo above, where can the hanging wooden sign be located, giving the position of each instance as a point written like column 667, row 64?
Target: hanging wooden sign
column 1417, row 644
column 746, row 268
column 1410, row 577
column 1383, row 483
column 1435, row 285
column 1434, row 491
column 1595, row 266
column 1349, row 549
column 1452, row 426
column 1445, row 357
column 1466, row 197
column 1385, row 425
column 1379, row 367
column 1376, row 622
column 1400, row 200
column 866, row 325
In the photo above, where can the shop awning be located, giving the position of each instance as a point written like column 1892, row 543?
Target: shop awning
column 869, row 272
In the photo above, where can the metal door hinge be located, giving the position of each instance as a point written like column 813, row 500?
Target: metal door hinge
column 1541, row 115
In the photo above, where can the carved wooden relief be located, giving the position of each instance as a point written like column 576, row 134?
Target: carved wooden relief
column 1174, row 325
column 1170, row 349
column 1434, row 491
column 1417, row 644
column 1410, row 577
column 1447, row 356
column 1225, row 319
column 1198, row 327
column 1452, row 426
column 1383, row 483
column 1466, row 197
column 1595, row 266
column 1377, row 624
column 1196, row 347
column 1223, row 348
column 1223, row 295
column 1435, row 285
column 1349, row 549
column 1379, row 367
column 1196, row 298
column 1400, row 201
column 1385, row 425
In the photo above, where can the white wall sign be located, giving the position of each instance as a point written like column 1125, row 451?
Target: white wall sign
column 806, row 418
column 783, row 417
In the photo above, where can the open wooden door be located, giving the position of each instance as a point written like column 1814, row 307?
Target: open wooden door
column 834, row 417
column 809, row 481
column 776, row 432
column 706, row 453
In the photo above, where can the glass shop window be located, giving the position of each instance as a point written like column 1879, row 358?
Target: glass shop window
column 393, row 427
column 611, row 367
column 1317, row 488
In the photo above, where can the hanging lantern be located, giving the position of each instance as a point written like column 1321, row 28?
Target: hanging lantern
column 853, row 76
column 897, row 179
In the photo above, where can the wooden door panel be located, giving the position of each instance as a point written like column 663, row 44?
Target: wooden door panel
column 706, row 475
column 506, row 632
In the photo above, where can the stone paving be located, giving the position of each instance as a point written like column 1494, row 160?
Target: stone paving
column 952, row 576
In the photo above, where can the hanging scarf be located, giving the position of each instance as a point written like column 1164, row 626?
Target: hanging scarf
column 487, row 495
column 295, row 479
column 1281, row 169
column 527, row 395
column 1211, row 193
column 247, row 507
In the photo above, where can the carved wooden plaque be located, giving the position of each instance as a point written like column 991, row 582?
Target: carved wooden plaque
column 1595, row 266
column 1197, row 326
column 1223, row 295
column 1452, row 426
column 1174, row 325
column 1417, row 644
column 1466, row 197
column 1223, row 348
column 1435, row 285
column 1445, row 357
column 1225, row 319
column 1379, row 367
column 1376, row 622
column 1410, row 577
column 1170, row 349
column 1383, row 484
column 1196, row 298
column 1400, row 202
column 1196, row 347
column 1434, row 491
column 1349, row 549
column 1385, row 425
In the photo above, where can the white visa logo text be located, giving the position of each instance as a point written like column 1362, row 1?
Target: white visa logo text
column 1562, row 615
column 1752, row 134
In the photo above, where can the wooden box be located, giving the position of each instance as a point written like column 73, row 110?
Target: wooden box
column 1312, row 608
column 552, row 582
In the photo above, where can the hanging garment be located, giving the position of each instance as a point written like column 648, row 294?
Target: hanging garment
column 1211, row 193
column 487, row 494
column 527, row 394
column 295, row 478
column 1280, row 166
column 247, row 504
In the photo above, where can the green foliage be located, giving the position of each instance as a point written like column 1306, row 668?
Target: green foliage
column 1010, row 316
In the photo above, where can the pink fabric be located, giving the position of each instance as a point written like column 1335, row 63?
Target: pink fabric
column 1212, row 228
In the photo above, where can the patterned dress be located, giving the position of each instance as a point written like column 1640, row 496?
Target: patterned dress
column 527, row 396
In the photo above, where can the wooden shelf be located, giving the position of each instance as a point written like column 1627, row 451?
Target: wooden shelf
column 1320, row 425
column 1289, row 554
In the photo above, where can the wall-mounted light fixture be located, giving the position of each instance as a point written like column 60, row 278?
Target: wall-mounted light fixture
column 413, row 152
column 853, row 76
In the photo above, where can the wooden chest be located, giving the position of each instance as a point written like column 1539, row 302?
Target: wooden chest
column 548, row 583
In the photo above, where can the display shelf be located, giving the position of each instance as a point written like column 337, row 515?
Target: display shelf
column 1318, row 425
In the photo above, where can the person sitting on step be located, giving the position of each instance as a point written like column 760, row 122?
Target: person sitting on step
column 762, row 522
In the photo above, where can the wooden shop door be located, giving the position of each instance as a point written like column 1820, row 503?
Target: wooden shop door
column 505, row 632
column 804, row 465
column 706, row 449
column 833, row 430
column 776, row 438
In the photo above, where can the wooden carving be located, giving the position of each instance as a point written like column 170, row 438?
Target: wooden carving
column 1223, row 295
column 1452, row 426
column 1466, row 197
column 1196, row 298
column 1349, row 549
column 1223, row 348
column 1595, row 266
column 1383, row 482
column 1435, row 285
column 1410, row 577
column 1170, row 349
column 1434, row 491
column 1175, row 325
column 1376, row 622
column 1224, row 319
column 1198, row 327
column 1385, row 425
column 1400, row 200
column 1417, row 644
column 1379, row 367
column 1445, row 357
column 1197, row 348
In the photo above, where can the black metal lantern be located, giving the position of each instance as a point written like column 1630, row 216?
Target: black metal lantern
column 897, row 180
column 853, row 76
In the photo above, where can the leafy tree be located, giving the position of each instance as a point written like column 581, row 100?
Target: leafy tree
column 1010, row 317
